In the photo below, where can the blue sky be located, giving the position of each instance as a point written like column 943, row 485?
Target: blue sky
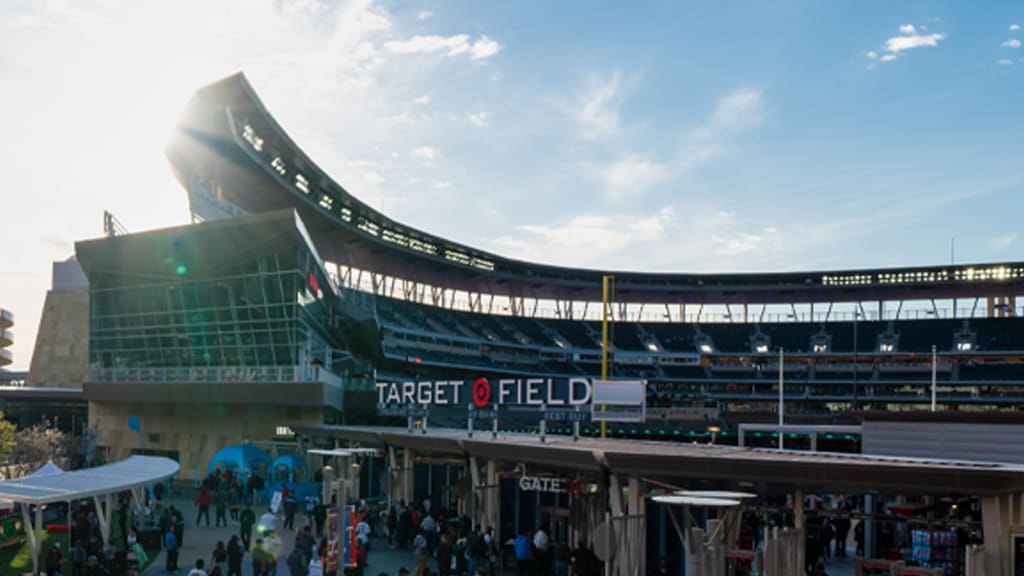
column 713, row 136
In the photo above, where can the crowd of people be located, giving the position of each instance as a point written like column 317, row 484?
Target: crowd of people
column 440, row 542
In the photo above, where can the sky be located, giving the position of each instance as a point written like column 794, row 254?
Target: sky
column 659, row 136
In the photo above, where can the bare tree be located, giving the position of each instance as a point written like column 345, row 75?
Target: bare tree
column 38, row 443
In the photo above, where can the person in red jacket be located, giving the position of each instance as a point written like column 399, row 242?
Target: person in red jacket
column 203, row 500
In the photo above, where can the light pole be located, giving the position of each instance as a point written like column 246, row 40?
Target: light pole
column 856, row 315
column 935, row 362
column 714, row 433
column 782, row 397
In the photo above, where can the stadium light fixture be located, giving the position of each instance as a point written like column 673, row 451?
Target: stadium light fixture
column 706, row 348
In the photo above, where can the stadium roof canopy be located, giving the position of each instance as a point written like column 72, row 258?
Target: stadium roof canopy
column 228, row 144
column 699, row 466
column 191, row 251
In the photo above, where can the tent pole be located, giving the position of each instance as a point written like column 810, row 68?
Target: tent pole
column 31, row 533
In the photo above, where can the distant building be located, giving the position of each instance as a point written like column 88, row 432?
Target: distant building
column 6, row 337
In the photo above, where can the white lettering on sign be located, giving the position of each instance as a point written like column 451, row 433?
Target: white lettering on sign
column 537, row 484
column 528, row 391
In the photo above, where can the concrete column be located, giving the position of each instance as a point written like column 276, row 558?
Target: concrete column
column 995, row 533
column 407, row 476
column 638, row 522
column 493, row 503
column 394, row 483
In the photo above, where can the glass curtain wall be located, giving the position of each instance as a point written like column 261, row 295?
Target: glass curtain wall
column 256, row 319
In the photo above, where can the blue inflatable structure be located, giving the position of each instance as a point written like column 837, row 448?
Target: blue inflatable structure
column 292, row 471
column 243, row 460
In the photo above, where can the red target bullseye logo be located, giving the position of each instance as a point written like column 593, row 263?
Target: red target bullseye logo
column 481, row 392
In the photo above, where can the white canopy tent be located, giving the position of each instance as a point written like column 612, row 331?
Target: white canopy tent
column 62, row 486
column 48, row 469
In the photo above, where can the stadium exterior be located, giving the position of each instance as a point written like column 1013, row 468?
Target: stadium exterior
column 286, row 278
column 285, row 302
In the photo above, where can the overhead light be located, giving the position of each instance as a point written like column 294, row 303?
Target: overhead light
column 761, row 348
column 706, row 348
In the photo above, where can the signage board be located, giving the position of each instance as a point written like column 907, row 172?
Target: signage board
column 619, row 400
column 485, row 393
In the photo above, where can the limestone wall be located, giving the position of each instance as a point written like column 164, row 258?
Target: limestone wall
column 61, row 355
column 195, row 431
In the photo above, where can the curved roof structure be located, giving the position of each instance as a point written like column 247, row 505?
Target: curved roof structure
column 108, row 479
column 228, row 147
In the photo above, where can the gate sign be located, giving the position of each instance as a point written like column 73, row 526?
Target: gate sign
column 483, row 392
column 556, row 485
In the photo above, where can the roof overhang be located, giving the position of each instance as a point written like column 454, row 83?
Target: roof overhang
column 704, row 465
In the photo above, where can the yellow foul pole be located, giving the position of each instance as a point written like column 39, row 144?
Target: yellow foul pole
column 607, row 291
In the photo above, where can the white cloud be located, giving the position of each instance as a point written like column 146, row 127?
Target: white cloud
column 597, row 112
column 480, row 119
column 630, row 175
column 424, row 14
column 1011, row 43
column 1014, row 27
column 441, row 184
column 713, row 240
column 739, row 109
column 424, row 44
column 425, row 99
column 587, row 237
column 909, row 39
column 454, row 45
column 484, row 47
column 1005, row 62
column 427, row 153
column 373, row 177
column 1003, row 241
column 898, row 44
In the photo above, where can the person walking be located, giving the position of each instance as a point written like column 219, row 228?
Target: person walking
column 203, row 500
column 178, row 523
column 235, row 555
column 54, row 560
column 220, row 506
column 171, row 549
column 78, row 556
column 524, row 555
column 246, row 519
column 219, row 558
column 420, row 548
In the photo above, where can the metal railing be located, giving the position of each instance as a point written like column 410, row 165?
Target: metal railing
column 248, row 374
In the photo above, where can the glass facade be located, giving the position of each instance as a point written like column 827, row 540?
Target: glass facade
column 265, row 310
